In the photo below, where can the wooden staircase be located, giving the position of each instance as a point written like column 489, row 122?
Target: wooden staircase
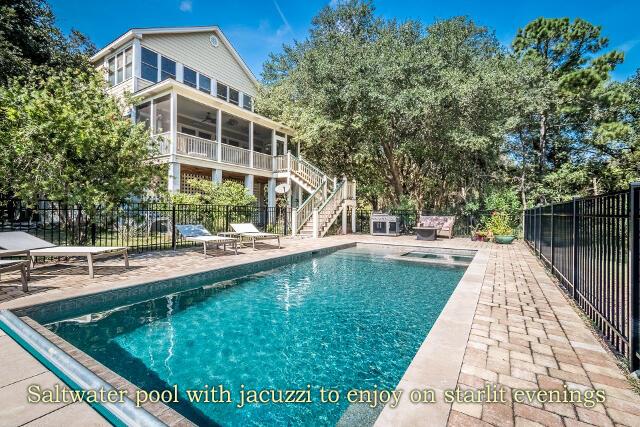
column 326, row 201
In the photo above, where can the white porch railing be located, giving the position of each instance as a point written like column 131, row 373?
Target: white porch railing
column 197, row 147
column 235, row 155
column 309, row 173
column 262, row 161
column 163, row 141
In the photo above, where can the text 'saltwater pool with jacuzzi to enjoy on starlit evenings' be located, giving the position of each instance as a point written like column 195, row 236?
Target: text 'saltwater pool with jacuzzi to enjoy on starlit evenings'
column 348, row 320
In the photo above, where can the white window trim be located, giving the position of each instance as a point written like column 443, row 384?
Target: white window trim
column 114, row 56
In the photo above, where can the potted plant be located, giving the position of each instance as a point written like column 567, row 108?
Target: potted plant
column 500, row 226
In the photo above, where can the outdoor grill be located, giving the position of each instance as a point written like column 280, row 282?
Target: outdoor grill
column 384, row 225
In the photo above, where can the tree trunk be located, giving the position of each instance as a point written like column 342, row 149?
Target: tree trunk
column 542, row 142
column 396, row 178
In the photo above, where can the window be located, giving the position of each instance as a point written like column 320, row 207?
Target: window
column 261, row 139
column 234, row 96
column 120, row 66
column 143, row 114
column 111, row 67
column 168, row 69
column 128, row 63
column 222, row 91
column 190, row 77
column 205, row 84
column 247, row 102
column 149, row 65
column 162, row 114
column 188, row 131
column 205, row 135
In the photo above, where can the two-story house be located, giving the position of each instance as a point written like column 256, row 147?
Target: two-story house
column 196, row 96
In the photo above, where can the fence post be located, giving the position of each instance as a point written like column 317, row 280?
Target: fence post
column 574, row 276
column 294, row 221
column 552, row 233
column 286, row 220
column 173, row 227
column 634, row 285
column 226, row 218
column 93, row 234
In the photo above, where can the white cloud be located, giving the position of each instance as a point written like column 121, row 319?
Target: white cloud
column 628, row 45
column 186, row 5
column 284, row 19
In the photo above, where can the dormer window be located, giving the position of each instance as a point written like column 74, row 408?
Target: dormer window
column 247, row 102
column 190, row 77
column 204, row 84
column 149, row 65
column 120, row 66
column 234, row 96
column 168, row 69
column 222, row 91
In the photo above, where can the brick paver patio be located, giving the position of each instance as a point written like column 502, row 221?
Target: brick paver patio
column 525, row 333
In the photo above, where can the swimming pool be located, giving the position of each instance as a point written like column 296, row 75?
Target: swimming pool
column 348, row 320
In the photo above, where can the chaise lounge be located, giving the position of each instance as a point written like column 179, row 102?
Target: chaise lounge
column 199, row 234
column 14, row 243
column 250, row 232
column 7, row 265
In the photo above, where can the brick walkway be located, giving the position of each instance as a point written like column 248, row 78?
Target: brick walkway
column 526, row 335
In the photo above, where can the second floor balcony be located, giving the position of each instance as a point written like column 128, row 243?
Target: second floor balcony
column 201, row 148
column 192, row 130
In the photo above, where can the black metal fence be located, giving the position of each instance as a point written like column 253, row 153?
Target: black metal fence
column 591, row 245
column 140, row 226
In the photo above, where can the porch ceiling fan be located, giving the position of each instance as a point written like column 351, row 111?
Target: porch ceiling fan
column 208, row 118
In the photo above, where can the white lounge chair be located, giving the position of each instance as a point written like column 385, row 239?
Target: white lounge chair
column 21, row 243
column 7, row 265
column 197, row 233
column 250, row 231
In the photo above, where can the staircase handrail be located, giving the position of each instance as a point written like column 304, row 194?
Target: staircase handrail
column 321, row 176
column 305, row 210
column 337, row 190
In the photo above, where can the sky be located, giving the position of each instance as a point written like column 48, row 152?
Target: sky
column 256, row 28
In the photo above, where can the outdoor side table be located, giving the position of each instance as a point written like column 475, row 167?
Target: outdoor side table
column 426, row 233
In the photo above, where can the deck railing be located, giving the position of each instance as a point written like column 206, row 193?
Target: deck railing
column 592, row 245
column 235, row 155
column 196, row 147
column 262, row 161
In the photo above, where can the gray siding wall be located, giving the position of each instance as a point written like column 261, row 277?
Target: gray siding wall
column 195, row 51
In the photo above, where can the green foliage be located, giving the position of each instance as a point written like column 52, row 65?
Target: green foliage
column 64, row 138
column 407, row 111
column 500, row 224
column 505, row 201
column 567, row 126
column 227, row 193
column 30, row 42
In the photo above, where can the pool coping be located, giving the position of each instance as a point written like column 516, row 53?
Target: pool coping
column 438, row 361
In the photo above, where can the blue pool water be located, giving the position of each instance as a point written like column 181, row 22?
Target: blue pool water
column 350, row 319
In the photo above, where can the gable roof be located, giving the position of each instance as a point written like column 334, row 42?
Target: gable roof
column 140, row 32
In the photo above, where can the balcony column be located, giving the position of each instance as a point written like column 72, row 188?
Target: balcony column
column 174, row 124
column 216, row 176
column 250, row 144
column 248, row 183
column 271, row 193
column 219, row 137
column 174, row 177
column 274, row 148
